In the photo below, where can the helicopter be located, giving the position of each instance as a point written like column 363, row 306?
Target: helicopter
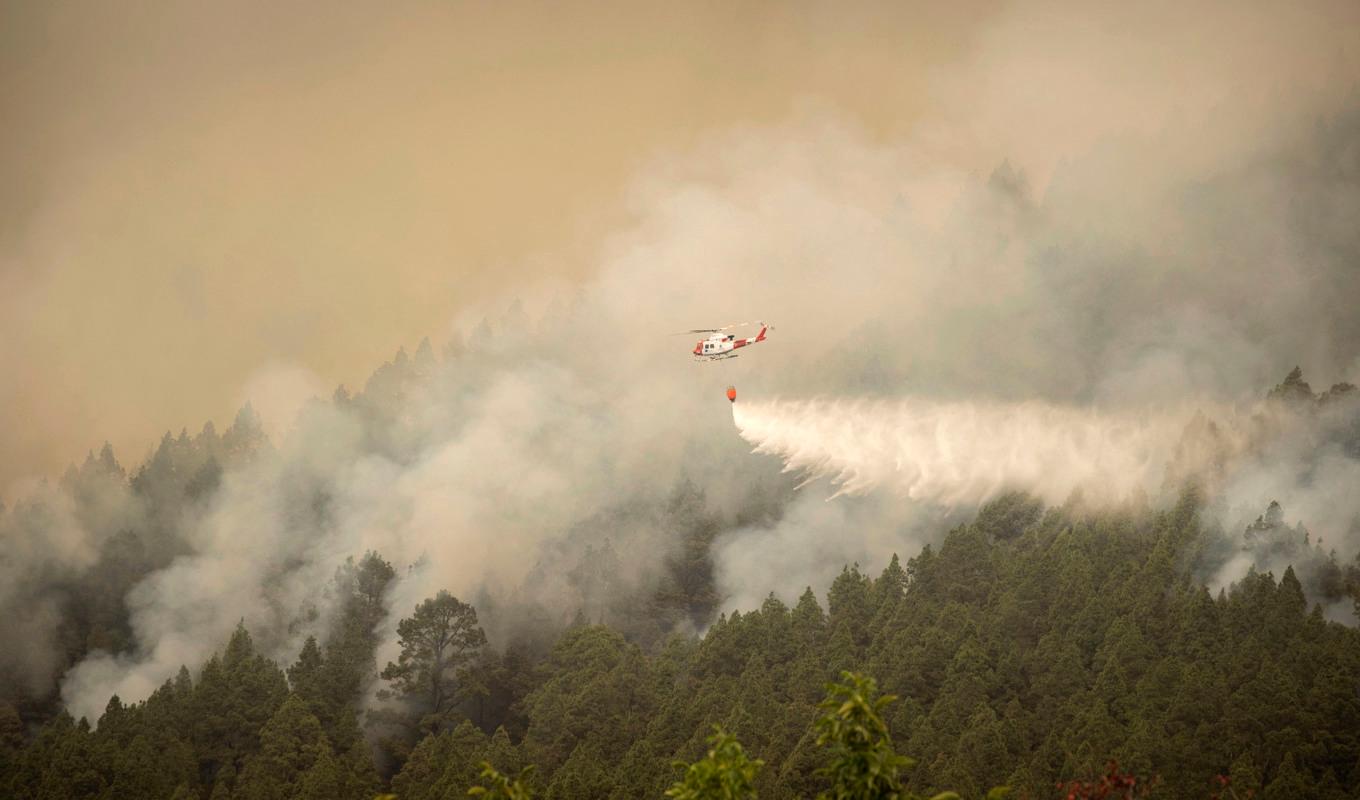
column 721, row 345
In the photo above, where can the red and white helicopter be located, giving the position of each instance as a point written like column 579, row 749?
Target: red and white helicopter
column 721, row 345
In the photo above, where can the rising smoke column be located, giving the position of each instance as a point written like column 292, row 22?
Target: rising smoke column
column 952, row 453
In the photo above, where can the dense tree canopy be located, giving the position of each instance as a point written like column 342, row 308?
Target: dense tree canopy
column 1028, row 649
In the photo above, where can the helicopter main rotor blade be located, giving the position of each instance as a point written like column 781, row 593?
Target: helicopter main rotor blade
column 717, row 330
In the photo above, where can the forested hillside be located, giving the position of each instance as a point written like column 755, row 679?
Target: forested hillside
column 1028, row 647
column 1032, row 646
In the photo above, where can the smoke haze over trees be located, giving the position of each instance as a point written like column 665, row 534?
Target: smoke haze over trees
column 1062, row 388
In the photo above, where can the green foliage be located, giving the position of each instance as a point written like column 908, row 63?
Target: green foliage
column 863, row 764
column 325, row 780
column 502, row 787
column 598, row 693
column 333, row 688
column 236, row 694
column 437, row 642
column 724, row 773
column 290, row 745
column 440, row 763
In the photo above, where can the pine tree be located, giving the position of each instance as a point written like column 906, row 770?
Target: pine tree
column 349, row 663
column 304, row 676
column 141, row 772
column 236, row 694
column 1294, row 390
column 437, row 643
column 442, row 763
column 290, row 744
column 324, row 780
column 849, row 614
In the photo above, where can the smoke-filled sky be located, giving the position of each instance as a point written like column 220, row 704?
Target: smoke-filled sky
column 192, row 193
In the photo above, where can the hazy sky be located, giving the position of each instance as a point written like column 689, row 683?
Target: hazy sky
column 191, row 193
